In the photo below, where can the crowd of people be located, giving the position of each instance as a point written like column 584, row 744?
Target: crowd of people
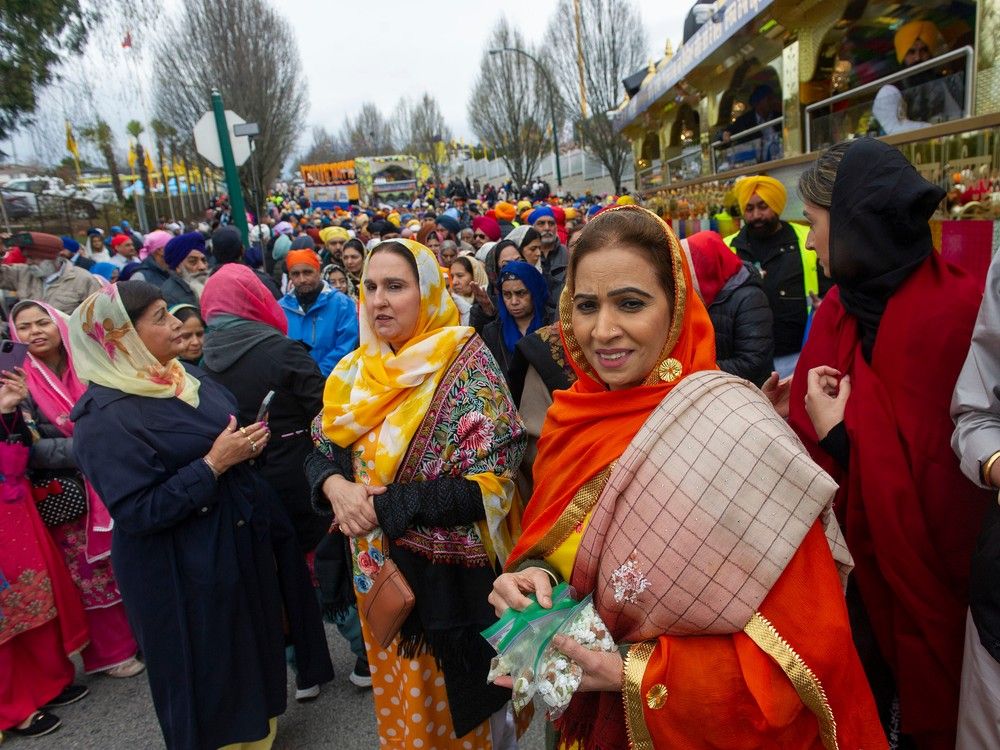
column 768, row 456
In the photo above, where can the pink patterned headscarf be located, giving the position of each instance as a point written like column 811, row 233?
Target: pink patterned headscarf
column 55, row 397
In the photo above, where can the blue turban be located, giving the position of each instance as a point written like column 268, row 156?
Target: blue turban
column 70, row 244
column 104, row 270
column 450, row 223
column 532, row 278
column 539, row 213
column 94, row 231
column 128, row 271
column 116, row 229
column 181, row 246
column 303, row 242
column 594, row 210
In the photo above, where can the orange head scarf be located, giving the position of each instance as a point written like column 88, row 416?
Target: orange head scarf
column 588, row 427
column 302, row 257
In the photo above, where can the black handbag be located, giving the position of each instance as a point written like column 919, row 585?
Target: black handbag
column 59, row 498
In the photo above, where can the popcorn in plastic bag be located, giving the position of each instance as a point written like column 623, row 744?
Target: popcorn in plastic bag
column 558, row 677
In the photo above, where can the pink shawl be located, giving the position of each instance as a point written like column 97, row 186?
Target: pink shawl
column 234, row 289
column 55, row 398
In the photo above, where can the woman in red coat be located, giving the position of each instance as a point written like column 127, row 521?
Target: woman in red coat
column 870, row 398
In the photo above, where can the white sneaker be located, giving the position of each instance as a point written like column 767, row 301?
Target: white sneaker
column 304, row 695
column 127, row 669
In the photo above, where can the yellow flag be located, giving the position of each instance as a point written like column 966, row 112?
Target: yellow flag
column 131, row 157
column 71, row 142
column 148, row 161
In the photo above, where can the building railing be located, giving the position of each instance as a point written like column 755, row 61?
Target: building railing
column 936, row 62
column 684, row 166
column 743, row 137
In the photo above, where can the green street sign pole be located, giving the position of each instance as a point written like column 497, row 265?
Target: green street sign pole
column 239, row 212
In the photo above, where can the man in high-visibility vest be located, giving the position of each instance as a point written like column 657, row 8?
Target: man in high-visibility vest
column 777, row 249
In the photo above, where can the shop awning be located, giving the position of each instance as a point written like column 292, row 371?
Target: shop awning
column 733, row 16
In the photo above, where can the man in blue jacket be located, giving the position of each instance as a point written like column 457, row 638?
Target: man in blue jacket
column 324, row 319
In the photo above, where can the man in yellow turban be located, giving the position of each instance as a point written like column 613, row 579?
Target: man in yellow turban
column 333, row 239
column 777, row 251
column 922, row 98
column 917, row 42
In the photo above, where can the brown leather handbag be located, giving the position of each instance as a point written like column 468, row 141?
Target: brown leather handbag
column 388, row 603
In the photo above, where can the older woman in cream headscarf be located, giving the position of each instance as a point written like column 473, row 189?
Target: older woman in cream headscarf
column 197, row 534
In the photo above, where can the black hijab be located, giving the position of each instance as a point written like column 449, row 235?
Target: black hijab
column 879, row 233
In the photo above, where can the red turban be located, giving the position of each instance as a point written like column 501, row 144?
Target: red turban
column 487, row 226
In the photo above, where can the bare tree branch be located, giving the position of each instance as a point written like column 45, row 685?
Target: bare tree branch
column 368, row 134
column 509, row 106
column 247, row 51
column 325, row 147
column 614, row 46
column 420, row 130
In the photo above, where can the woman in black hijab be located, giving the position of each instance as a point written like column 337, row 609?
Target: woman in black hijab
column 870, row 398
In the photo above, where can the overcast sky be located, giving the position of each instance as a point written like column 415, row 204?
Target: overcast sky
column 385, row 50
column 352, row 52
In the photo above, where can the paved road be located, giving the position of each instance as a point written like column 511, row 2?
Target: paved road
column 118, row 715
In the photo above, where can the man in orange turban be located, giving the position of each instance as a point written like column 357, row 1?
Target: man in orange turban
column 777, row 250
column 324, row 319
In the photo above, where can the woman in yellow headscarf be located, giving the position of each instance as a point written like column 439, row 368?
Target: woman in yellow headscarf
column 416, row 450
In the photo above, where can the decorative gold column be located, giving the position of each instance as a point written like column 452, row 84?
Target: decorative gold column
column 794, row 138
column 987, row 50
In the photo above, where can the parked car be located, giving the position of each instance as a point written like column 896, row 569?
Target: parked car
column 16, row 207
column 50, row 195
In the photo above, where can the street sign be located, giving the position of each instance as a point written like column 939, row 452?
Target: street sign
column 206, row 139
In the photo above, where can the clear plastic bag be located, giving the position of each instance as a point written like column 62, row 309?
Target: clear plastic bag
column 523, row 642
column 558, row 677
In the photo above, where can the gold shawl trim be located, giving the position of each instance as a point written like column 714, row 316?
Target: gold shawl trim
column 575, row 514
column 762, row 632
column 635, row 719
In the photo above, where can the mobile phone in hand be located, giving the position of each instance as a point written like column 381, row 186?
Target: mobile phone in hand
column 12, row 355
column 263, row 413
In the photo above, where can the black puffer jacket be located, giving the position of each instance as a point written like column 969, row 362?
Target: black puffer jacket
column 744, row 327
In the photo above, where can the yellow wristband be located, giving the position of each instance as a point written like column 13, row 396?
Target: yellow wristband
column 988, row 469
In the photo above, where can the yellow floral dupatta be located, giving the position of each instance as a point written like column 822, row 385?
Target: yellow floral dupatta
column 374, row 388
column 107, row 350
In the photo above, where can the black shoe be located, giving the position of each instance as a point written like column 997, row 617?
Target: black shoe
column 362, row 675
column 70, row 695
column 40, row 725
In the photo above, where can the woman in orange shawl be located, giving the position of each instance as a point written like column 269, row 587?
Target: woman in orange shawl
column 675, row 495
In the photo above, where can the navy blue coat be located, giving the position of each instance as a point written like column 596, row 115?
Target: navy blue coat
column 206, row 567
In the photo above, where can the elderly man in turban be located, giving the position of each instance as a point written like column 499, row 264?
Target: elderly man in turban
column 777, row 249
column 188, row 264
column 325, row 320
column 45, row 275
column 555, row 256
column 920, row 99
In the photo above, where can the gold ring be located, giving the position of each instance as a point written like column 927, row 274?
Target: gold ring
column 253, row 446
column 244, row 431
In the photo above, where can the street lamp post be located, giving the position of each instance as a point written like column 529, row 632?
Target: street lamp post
column 552, row 101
